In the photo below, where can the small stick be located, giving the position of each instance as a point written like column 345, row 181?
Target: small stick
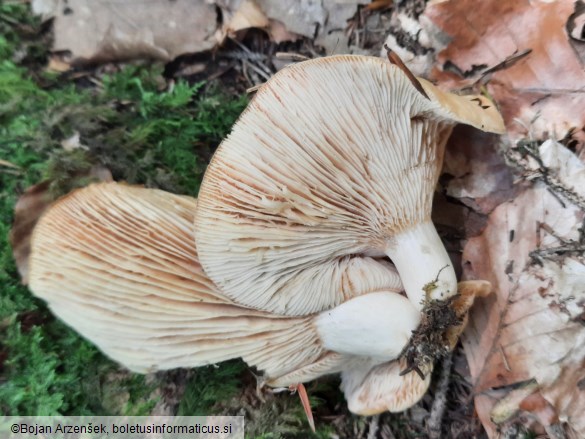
column 290, row 56
column 440, row 402
column 508, row 62
column 254, row 89
column 8, row 164
column 374, row 427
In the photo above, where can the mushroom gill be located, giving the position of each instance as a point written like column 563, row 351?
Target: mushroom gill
column 118, row 263
column 334, row 161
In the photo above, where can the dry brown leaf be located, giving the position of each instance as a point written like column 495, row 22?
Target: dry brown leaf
column 533, row 327
column 294, row 18
column 278, row 32
column 541, row 94
column 105, row 30
column 29, row 208
column 240, row 15
column 248, row 15
column 55, row 64
column 533, row 248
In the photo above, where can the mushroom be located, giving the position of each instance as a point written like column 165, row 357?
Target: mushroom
column 331, row 167
column 374, row 388
column 118, row 264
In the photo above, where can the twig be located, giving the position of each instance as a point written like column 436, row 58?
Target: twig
column 374, row 427
column 244, row 54
column 508, row 62
column 290, row 56
column 440, row 402
column 257, row 70
column 517, row 157
column 568, row 246
column 387, row 432
column 8, row 164
column 254, row 88
column 506, row 364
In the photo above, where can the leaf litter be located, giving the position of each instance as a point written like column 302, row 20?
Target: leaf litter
column 525, row 344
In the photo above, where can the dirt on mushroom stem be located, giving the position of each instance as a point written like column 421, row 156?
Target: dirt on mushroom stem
column 431, row 340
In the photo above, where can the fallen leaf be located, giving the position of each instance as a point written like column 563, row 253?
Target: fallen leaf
column 248, row 15
column 378, row 5
column 57, row 65
column 279, row 33
column 103, row 30
column 533, row 253
column 541, row 408
column 27, row 211
column 542, row 94
column 242, row 15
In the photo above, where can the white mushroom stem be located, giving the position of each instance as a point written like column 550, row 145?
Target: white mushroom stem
column 377, row 325
column 423, row 264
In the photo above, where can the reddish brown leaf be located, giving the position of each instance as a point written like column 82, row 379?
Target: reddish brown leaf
column 541, row 94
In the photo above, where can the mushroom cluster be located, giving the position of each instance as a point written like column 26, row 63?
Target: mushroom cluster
column 312, row 219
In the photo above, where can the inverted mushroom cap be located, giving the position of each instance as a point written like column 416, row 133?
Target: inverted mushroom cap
column 119, row 265
column 372, row 390
column 375, row 388
column 334, row 159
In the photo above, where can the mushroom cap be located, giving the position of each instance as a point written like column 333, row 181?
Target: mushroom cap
column 118, row 264
column 372, row 390
column 331, row 160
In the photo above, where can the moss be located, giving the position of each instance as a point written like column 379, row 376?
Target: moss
column 209, row 386
column 145, row 134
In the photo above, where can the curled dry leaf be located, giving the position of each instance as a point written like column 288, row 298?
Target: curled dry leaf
column 540, row 94
column 532, row 251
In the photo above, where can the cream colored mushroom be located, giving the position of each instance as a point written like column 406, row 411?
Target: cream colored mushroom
column 119, row 265
column 371, row 388
column 332, row 165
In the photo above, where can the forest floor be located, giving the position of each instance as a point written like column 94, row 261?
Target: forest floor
column 157, row 125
